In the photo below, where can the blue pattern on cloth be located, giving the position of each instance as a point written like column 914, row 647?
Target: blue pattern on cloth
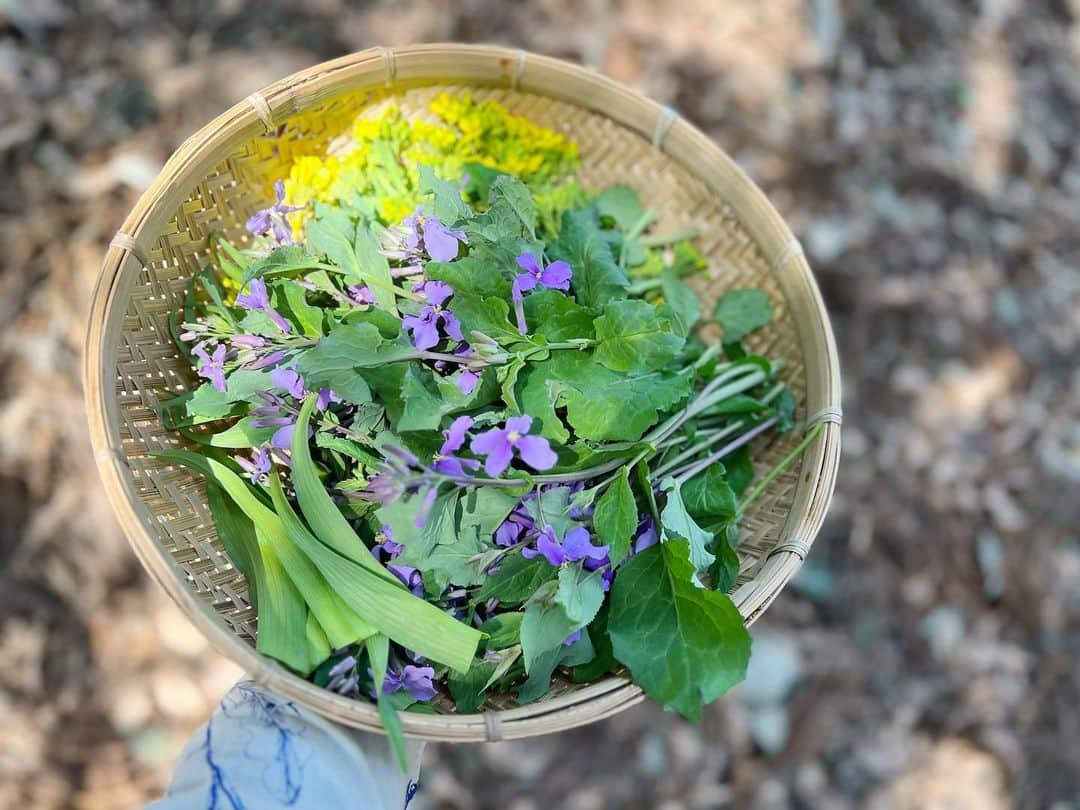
column 261, row 751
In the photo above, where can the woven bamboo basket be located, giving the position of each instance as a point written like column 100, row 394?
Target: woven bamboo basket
column 225, row 172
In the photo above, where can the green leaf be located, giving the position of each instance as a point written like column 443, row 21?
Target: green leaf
column 580, row 593
column 448, row 205
column 544, row 628
column 378, row 650
column 342, row 624
column 601, row 405
column 470, row 275
column 303, row 314
column 684, row 302
column 488, row 315
column 622, row 205
column 439, row 528
column 552, row 508
column 677, row 522
column 423, row 405
column 725, row 571
column 604, row 660
column 237, row 535
column 503, row 630
column 518, row 197
column 539, row 681
column 319, row 510
column 334, row 361
column 633, row 336
column 597, row 278
column 616, row 517
column 740, row 312
column 281, row 261
column 709, row 498
column 516, row 580
column 740, row 470
column 485, row 508
column 467, row 688
column 207, row 403
column 684, row 645
column 355, row 250
column 556, row 316
column 392, row 610
column 451, row 563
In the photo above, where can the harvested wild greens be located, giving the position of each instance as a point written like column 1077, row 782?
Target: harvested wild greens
column 455, row 450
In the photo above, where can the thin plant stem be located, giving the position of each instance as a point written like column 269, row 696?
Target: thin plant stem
column 759, row 487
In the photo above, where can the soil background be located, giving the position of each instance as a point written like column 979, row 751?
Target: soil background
column 925, row 152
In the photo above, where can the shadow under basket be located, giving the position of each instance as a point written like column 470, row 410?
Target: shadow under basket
column 224, row 173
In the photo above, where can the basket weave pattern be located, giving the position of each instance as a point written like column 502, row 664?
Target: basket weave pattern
column 132, row 364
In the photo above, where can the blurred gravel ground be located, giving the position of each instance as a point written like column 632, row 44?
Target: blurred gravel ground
column 926, row 152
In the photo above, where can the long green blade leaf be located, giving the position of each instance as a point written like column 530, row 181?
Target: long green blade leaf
column 378, row 649
column 407, row 619
column 342, row 624
column 319, row 510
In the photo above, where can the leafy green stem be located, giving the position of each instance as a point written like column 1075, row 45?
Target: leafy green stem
column 760, row 486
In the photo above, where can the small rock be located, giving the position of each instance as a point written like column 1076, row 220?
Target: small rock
column 991, row 561
column 769, row 728
column 943, row 628
column 775, row 667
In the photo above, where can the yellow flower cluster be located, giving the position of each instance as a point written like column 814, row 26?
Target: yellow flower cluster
column 382, row 161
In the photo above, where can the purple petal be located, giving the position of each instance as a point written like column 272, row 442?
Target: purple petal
column 341, row 667
column 325, row 397
column 547, row 545
column 418, row 681
column 437, row 292
column 410, row 578
column 288, row 381
column 269, row 360
column 647, row 535
column 578, row 546
column 498, row 459
column 248, row 341
column 283, row 436
column 536, row 452
column 451, row 325
column 258, row 223
column 508, row 533
column 557, row 275
column 466, row 381
column 455, row 436
column 199, row 350
column 256, row 298
column 425, row 333
column 278, row 320
column 529, row 263
column 573, row 638
column 216, row 376
column 279, row 191
column 441, row 244
column 522, row 284
column 486, row 442
column 519, row 424
column 425, row 508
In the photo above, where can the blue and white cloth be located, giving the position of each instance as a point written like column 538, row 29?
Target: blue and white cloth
column 260, row 751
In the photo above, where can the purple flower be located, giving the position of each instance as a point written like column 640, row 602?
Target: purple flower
column 271, row 359
column 498, row 445
column 248, row 341
column 385, row 544
column 361, row 294
column 573, row 638
column 211, row 366
column 646, row 535
column 466, row 381
column 425, row 326
column 384, row 488
column 556, row 275
column 283, row 436
column 576, row 545
column 288, row 381
column 424, row 512
column 258, row 300
column 417, row 681
column 410, row 577
column 343, row 678
column 273, row 218
column 258, row 466
column 441, row 242
column 325, row 397
column 445, row 461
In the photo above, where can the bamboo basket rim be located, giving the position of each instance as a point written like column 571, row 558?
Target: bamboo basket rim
column 481, row 65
